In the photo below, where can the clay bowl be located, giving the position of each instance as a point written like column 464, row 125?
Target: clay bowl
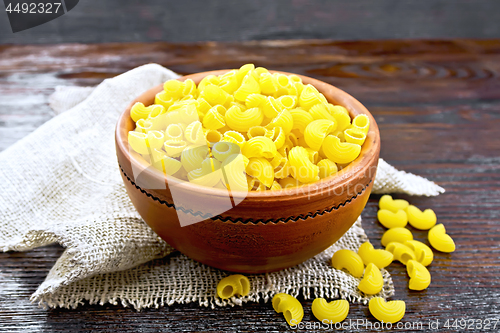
column 266, row 231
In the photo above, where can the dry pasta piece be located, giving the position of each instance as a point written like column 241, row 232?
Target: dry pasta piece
column 423, row 253
column 280, row 166
column 361, row 122
column 234, row 137
column 139, row 111
column 316, row 132
column 255, row 101
column 208, row 175
column 290, row 307
column 301, row 119
column 341, row 116
column 372, row 281
column 272, row 107
column 174, row 132
column 143, row 126
column 174, row 147
column 353, row 135
column 288, row 101
column 310, row 96
column 289, row 182
column 248, row 86
column 144, row 142
column 259, row 147
column 390, row 219
column 340, row 152
column 420, row 278
column 284, row 120
column 232, row 285
column 260, row 168
column 166, row 164
column 268, row 84
column 164, row 99
column 320, row 111
column 399, row 235
column 259, row 131
column 174, row 88
column 349, row 260
column 421, row 220
column 301, row 168
column 327, row 168
column 222, row 150
column 212, row 136
column 233, row 171
column 194, row 133
column 278, row 136
column 381, row 258
column 388, row 312
column 440, row 240
column 386, row 202
column 401, row 252
column 242, row 120
column 214, row 118
column 192, row 156
column 330, row 312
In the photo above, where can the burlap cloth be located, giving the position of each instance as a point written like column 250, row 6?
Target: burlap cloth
column 61, row 184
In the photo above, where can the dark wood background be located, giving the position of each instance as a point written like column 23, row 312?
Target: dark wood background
column 438, row 107
column 97, row 21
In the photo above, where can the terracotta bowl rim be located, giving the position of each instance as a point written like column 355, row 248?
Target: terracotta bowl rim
column 341, row 178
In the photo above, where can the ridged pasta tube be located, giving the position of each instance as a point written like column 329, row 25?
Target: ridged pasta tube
column 234, row 137
column 349, row 260
column 440, row 240
column 248, row 86
column 372, row 281
column 261, row 169
column 390, row 219
column 399, row 235
column 327, row 168
column 166, row 164
column 192, row 157
column 388, row 312
column 330, row 312
column 301, row 119
column 310, row 96
column 301, row 168
column 144, row 142
column 233, row 170
column 214, row 119
column 423, row 253
column 222, row 150
column 139, row 111
column 232, row 285
column 340, row 152
column 420, row 278
column 290, row 307
column 174, row 147
column 401, row 252
column 259, row 147
column 194, row 133
column 421, row 220
column 381, row 258
column 316, row 132
column 239, row 120
column 353, row 135
column 387, row 202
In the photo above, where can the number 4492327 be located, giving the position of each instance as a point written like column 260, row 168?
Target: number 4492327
column 34, row 8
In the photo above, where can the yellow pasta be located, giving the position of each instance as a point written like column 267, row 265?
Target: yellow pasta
column 248, row 86
column 381, row 258
column 420, row 278
column 208, row 175
column 161, row 161
column 242, row 120
column 421, row 220
column 301, row 119
column 301, row 168
column 259, row 147
column 440, row 240
column 349, row 260
column 310, row 97
column 261, row 169
column 386, row 202
column 361, row 122
column 192, row 157
column 401, row 252
column 272, row 118
column 353, row 135
column 316, row 132
column 397, row 234
column 233, row 172
column 194, row 133
column 388, row 312
column 289, row 182
column 214, row 118
column 390, row 219
column 330, row 312
column 174, row 147
column 327, row 168
column 232, row 285
column 174, row 132
column 372, row 281
column 423, row 253
column 234, row 137
column 340, row 152
column 290, row 307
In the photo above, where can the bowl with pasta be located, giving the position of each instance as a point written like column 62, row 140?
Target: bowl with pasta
column 248, row 170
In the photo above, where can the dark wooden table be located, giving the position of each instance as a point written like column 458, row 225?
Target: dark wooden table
column 437, row 104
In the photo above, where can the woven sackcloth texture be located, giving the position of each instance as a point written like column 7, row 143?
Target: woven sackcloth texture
column 61, row 184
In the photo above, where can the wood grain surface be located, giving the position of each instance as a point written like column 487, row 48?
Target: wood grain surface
column 437, row 104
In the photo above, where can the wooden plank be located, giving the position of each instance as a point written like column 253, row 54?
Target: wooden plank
column 436, row 102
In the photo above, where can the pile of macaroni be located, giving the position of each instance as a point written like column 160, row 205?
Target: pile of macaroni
column 246, row 130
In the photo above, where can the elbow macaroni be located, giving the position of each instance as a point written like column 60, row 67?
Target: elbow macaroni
column 397, row 234
column 440, row 240
column 390, row 219
column 420, row 278
column 388, row 312
column 349, row 260
column 273, row 118
column 290, row 307
column 330, row 312
column 421, row 220
column 372, row 281
column 381, row 258
column 232, row 285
